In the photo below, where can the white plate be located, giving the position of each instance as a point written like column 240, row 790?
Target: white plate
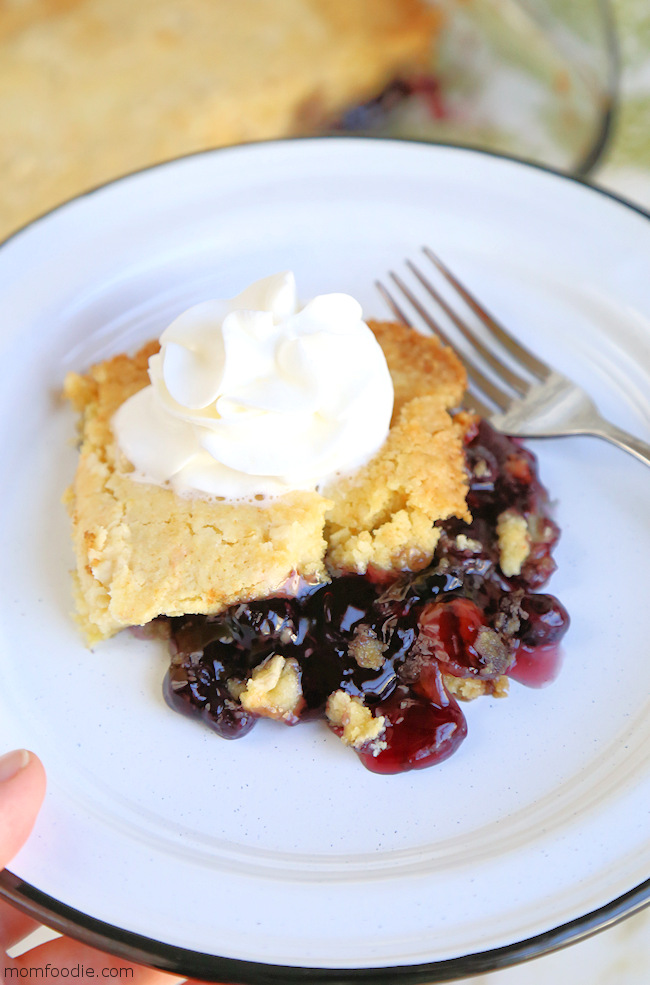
column 161, row 841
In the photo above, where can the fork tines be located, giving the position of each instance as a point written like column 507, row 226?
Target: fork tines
column 480, row 382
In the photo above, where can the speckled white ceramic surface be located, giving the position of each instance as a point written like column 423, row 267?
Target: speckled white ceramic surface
column 280, row 848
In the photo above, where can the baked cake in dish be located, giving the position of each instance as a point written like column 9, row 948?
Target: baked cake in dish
column 93, row 89
column 376, row 600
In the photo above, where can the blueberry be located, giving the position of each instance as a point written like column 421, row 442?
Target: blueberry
column 544, row 620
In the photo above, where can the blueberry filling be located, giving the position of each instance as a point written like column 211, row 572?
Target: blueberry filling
column 399, row 646
column 425, row 90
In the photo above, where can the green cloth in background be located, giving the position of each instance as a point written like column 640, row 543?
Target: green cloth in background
column 626, row 164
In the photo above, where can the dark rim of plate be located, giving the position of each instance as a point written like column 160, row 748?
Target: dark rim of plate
column 208, row 967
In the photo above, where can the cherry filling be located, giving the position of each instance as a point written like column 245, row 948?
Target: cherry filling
column 419, row 732
column 460, row 618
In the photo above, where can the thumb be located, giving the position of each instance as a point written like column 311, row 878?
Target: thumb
column 22, row 788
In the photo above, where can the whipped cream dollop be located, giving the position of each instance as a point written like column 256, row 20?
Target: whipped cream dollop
column 259, row 395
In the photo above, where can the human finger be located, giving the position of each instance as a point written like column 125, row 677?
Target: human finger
column 22, row 789
column 83, row 962
column 14, row 925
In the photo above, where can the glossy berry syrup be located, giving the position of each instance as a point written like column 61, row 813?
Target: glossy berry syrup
column 422, row 92
column 459, row 618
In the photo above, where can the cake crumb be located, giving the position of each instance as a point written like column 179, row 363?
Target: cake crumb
column 465, row 543
column 274, row 689
column 358, row 724
column 469, row 688
column 367, row 649
column 514, row 542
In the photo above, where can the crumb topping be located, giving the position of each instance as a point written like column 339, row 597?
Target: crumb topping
column 514, row 542
column 367, row 649
column 469, row 688
column 143, row 552
column 358, row 725
column 274, row 690
column 385, row 513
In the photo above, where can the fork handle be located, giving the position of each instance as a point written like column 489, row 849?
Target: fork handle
column 640, row 449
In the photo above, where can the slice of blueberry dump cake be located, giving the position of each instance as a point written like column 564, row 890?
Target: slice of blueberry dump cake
column 291, row 498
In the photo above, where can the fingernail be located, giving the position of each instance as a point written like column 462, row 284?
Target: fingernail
column 12, row 763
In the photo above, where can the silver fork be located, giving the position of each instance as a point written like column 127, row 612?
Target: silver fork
column 533, row 401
